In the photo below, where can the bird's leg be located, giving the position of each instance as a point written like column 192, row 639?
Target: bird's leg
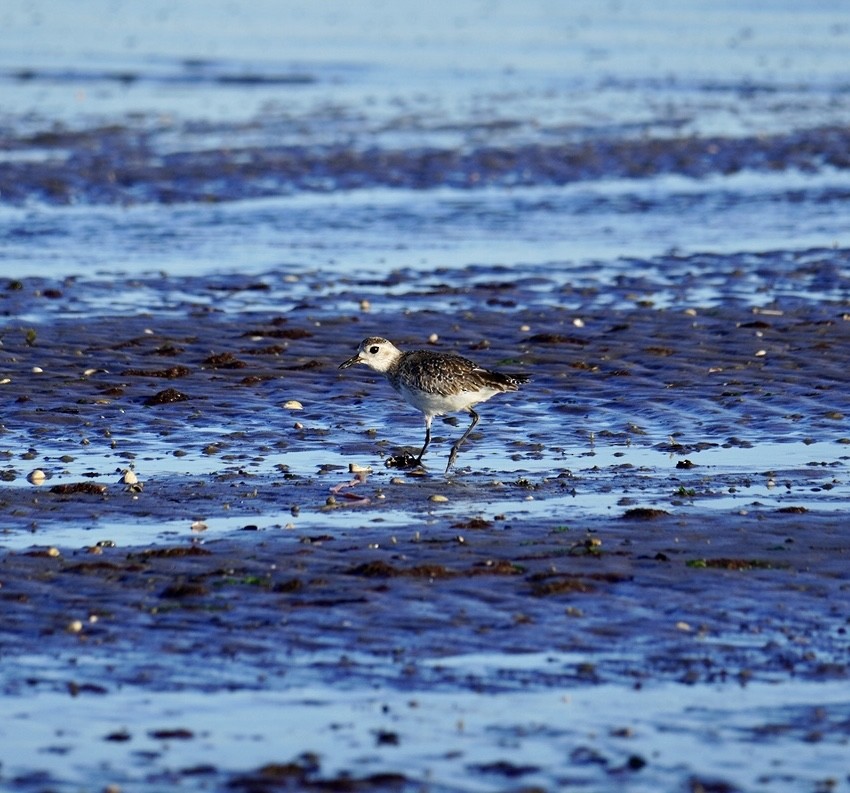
column 418, row 460
column 463, row 437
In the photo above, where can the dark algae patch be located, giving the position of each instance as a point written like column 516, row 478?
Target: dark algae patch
column 644, row 513
column 79, row 488
column 735, row 564
column 166, row 397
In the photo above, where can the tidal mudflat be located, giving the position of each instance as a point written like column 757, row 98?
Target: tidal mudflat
column 634, row 578
column 663, row 503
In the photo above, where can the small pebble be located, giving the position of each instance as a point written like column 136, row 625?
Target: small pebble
column 130, row 477
column 74, row 626
column 433, row 338
column 365, row 305
column 293, row 404
column 438, row 498
column 37, row 477
column 37, row 370
column 761, row 353
column 578, row 322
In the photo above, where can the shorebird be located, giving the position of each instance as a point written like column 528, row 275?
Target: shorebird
column 435, row 383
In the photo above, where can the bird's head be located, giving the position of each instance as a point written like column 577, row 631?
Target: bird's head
column 376, row 353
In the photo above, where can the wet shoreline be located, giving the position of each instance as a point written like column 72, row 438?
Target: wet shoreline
column 635, row 576
column 123, row 166
column 663, row 603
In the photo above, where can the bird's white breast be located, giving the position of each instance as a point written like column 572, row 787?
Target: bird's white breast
column 437, row 404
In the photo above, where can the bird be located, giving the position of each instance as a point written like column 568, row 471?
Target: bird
column 435, row 383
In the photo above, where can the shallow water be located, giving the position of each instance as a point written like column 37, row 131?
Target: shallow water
column 636, row 579
column 447, row 741
column 738, row 480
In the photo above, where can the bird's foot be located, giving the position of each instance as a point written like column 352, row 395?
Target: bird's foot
column 403, row 460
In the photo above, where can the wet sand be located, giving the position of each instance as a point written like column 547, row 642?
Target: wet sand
column 586, row 519
column 635, row 577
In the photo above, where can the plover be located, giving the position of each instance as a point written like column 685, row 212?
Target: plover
column 435, row 383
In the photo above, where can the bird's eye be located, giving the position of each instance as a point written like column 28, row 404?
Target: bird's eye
column 374, row 349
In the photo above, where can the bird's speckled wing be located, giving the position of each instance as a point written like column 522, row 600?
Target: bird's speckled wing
column 445, row 374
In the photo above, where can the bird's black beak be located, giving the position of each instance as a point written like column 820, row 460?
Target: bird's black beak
column 350, row 362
